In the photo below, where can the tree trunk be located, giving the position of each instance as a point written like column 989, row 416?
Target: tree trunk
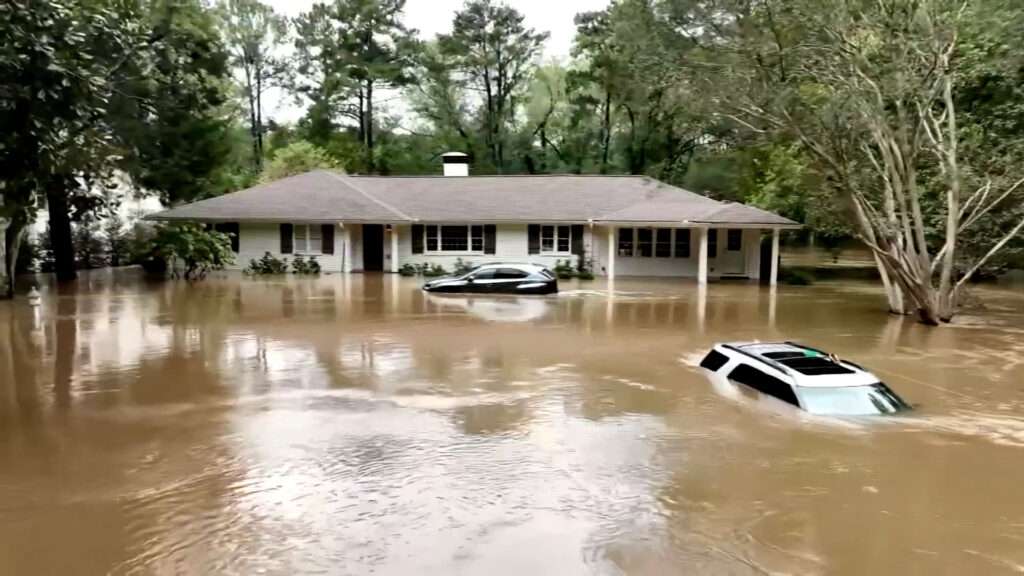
column 253, row 130
column 12, row 239
column 5, row 272
column 606, row 131
column 369, row 126
column 259, row 117
column 60, row 234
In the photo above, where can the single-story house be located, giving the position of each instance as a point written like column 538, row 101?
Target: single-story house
column 618, row 225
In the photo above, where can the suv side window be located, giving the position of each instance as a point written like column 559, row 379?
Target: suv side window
column 510, row 274
column 770, row 385
column 485, row 274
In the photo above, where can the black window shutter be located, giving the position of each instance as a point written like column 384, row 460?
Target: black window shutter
column 417, row 238
column 286, row 238
column 577, row 240
column 533, row 239
column 327, row 237
column 490, row 239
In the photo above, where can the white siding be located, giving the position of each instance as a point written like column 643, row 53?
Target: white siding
column 511, row 246
column 254, row 240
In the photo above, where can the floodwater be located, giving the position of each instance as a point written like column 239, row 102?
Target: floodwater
column 326, row 426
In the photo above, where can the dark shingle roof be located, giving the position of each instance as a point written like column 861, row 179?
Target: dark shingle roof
column 322, row 196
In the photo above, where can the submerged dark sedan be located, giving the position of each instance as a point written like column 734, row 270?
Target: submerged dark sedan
column 499, row 278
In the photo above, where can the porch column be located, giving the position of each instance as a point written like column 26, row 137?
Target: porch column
column 394, row 248
column 702, row 256
column 775, row 258
column 346, row 252
column 612, row 249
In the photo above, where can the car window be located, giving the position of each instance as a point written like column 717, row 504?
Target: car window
column 764, row 383
column 485, row 274
column 851, row 400
column 510, row 274
column 714, row 360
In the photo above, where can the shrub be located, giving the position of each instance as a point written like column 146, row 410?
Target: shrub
column 432, row 270
column 797, row 278
column 193, row 247
column 310, row 266
column 564, row 270
column 408, row 270
column 463, row 267
column 267, row 264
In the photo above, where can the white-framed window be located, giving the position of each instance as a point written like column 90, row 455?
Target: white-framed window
column 555, row 239
column 654, row 242
column 307, row 239
column 453, row 238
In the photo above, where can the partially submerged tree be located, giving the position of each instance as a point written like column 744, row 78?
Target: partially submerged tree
column 868, row 87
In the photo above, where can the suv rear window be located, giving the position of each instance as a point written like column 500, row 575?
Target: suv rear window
column 770, row 385
column 714, row 360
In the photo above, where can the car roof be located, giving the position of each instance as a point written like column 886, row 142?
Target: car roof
column 520, row 265
column 807, row 366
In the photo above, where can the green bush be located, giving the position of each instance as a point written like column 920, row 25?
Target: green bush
column 433, row 270
column 309, row 266
column 797, row 278
column 188, row 250
column 463, row 267
column 267, row 264
column 408, row 270
column 564, row 270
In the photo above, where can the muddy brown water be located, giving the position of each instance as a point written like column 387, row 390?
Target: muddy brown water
column 362, row 427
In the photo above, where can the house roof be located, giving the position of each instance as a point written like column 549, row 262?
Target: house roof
column 325, row 196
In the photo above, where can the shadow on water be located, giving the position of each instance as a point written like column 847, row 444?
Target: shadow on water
column 356, row 425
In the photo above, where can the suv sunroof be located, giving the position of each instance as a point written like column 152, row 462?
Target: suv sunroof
column 813, row 365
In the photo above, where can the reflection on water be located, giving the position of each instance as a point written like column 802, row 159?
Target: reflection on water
column 326, row 425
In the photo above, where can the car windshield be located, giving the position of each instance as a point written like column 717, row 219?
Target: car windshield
column 851, row 400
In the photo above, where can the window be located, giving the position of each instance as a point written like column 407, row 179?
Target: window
column 714, row 360
column 307, row 239
column 663, row 243
column 555, row 239
column 625, row 242
column 485, row 274
column 734, row 240
column 454, row 238
column 712, row 243
column 682, row 243
column 770, row 385
column 510, row 274
column 432, row 245
column 643, row 242
column 476, row 238
column 564, row 232
column 547, row 238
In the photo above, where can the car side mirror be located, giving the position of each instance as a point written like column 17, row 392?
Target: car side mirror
column 470, row 279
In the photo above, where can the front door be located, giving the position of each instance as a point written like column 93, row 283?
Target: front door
column 373, row 247
column 731, row 256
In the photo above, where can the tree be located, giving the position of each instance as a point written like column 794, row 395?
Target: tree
column 171, row 109
column 252, row 31
column 348, row 50
column 495, row 53
column 56, row 58
column 296, row 158
column 869, row 90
